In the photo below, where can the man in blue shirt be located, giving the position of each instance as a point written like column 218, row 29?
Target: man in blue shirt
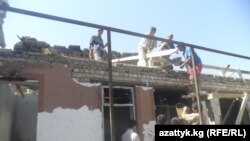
column 96, row 46
column 187, row 54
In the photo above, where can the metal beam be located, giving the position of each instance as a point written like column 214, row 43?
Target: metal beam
column 196, row 84
column 71, row 21
column 111, row 109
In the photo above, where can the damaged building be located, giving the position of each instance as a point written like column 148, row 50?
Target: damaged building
column 58, row 97
column 54, row 93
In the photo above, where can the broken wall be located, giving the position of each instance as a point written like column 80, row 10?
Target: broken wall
column 69, row 109
column 85, row 70
column 66, row 97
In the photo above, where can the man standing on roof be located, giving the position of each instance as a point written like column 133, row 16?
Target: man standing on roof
column 3, row 3
column 96, row 46
column 146, row 45
column 187, row 54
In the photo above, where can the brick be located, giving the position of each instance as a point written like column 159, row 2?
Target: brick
column 77, row 75
column 92, row 71
column 115, row 74
column 76, row 70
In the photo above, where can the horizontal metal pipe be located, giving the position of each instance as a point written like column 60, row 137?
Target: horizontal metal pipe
column 76, row 22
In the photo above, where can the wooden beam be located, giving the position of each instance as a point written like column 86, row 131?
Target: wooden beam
column 149, row 55
column 125, row 59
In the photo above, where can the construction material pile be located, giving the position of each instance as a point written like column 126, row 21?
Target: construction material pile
column 29, row 44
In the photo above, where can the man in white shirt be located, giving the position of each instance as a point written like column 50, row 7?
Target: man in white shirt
column 146, row 46
column 3, row 3
column 130, row 134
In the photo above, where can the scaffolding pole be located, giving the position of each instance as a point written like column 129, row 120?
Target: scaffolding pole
column 196, row 86
column 111, row 121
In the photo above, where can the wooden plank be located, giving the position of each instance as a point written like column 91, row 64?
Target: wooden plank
column 125, row 59
column 150, row 55
column 162, row 53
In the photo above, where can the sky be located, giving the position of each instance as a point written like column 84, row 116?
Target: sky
column 217, row 24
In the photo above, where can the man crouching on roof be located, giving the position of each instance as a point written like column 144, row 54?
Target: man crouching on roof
column 187, row 54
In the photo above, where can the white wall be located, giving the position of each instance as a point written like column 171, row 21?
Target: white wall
column 70, row 125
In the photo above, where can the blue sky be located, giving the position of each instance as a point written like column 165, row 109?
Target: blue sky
column 217, row 24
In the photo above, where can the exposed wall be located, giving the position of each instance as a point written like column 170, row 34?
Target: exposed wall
column 57, row 89
column 64, row 101
column 93, row 71
column 25, row 121
column 58, row 92
column 7, row 107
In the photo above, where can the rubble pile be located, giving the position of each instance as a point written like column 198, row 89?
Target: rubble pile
column 29, row 44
